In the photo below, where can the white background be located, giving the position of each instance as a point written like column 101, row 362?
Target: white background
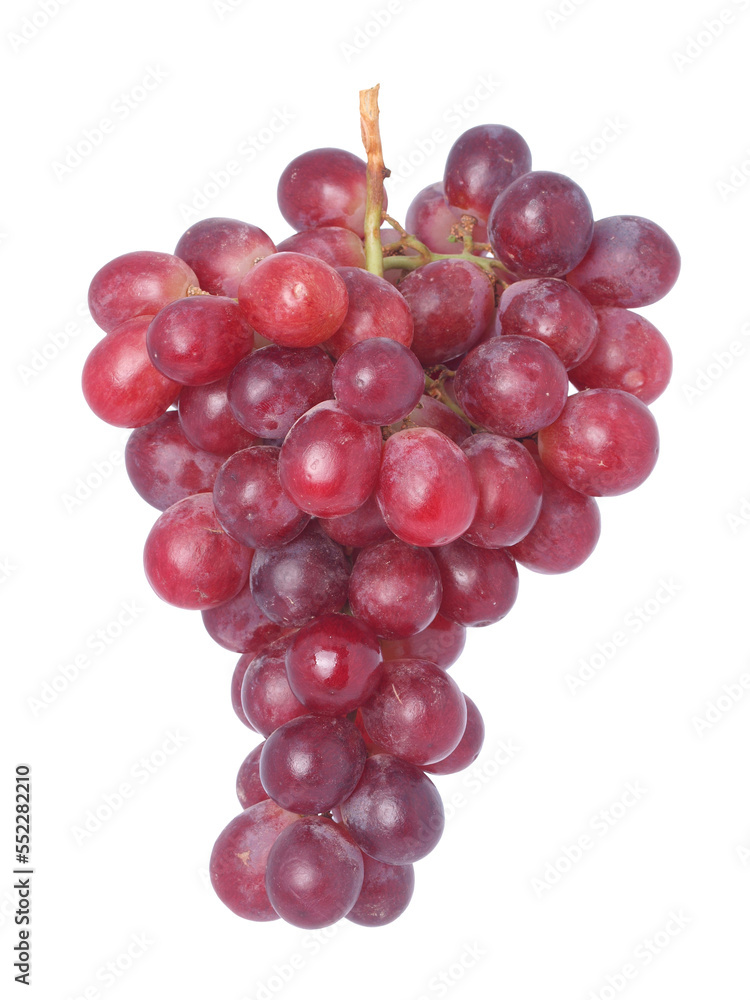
column 486, row 919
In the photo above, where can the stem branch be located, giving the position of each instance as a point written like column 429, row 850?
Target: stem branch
column 376, row 173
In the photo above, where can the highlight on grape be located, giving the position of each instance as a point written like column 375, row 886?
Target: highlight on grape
column 359, row 437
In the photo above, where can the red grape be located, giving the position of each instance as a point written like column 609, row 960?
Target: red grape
column 267, row 700
column 120, row 383
column 239, row 624
column 364, row 526
column 468, row 748
column 541, row 226
column 249, row 787
column 480, row 586
column 442, row 642
column 199, row 339
column 417, row 712
column 312, row 763
column 293, row 300
column 250, row 503
column 375, row 309
column 221, row 252
column 190, row 561
column 294, row 583
column 207, row 419
column 164, row 466
column 629, row 354
column 335, row 245
column 631, row 262
column 394, row 814
column 481, row 163
column 430, row 218
column 238, row 860
column 314, row 873
column 378, row 381
column 333, row 664
column 604, row 443
column 395, row 588
column 329, row 461
column 386, row 892
column 419, row 506
column 137, row 284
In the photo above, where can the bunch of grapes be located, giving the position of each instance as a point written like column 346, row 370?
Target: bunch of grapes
column 354, row 437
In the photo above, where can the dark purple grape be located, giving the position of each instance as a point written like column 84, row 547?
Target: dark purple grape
column 512, row 385
column 298, row 581
column 481, row 163
column 312, row 763
column 386, row 892
column 541, row 226
column 378, row 381
column 631, row 262
column 207, row 420
column 394, row 814
column 552, row 311
column 395, row 588
column 250, row 503
column 480, row 586
column 314, row 873
column 604, row 443
column 273, row 387
column 164, row 466
column 222, row 251
column 240, row 625
column 236, row 691
column 629, row 354
column 452, row 303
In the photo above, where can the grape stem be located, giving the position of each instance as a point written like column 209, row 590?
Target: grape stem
column 369, row 115
column 435, row 387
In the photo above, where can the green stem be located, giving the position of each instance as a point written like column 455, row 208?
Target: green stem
column 376, row 173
